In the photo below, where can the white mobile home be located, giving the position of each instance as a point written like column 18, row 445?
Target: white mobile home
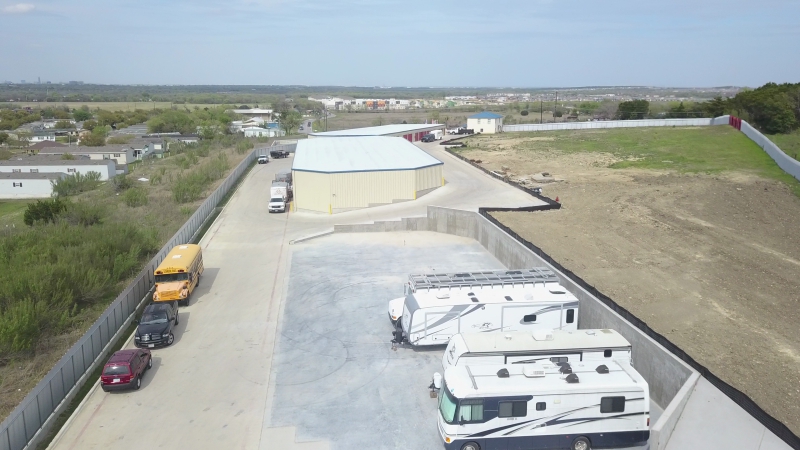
column 544, row 405
column 106, row 168
column 28, row 185
column 525, row 347
column 432, row 318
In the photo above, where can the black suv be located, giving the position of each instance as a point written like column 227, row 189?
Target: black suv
column 156, row 325
column 428, row 138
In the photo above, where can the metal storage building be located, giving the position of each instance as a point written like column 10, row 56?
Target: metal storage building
column 410, row 132
column 344, row 173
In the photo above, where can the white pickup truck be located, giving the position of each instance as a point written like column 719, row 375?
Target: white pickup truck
column 278, row 194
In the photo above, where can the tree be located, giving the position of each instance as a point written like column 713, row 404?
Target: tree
column 82, row 114
column 171, row 121
column 677, row 112
column 63, row 125
column 634, row 109
column 3, row 138
column 524, row 112
column 290, row 121
column 43, row 211
column 715, row 107
column 89, row 125
column 97, row 138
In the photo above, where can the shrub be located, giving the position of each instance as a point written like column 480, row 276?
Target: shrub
column 189, row 187
column 67, row 156
column 121, row 183
column 84, row 213
column 135, row 197
column 75, row 184
column 122, row 139
column 43, row 211
column 243, row 146
column 524, row 112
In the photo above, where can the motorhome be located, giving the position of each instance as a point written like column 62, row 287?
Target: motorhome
column 524, row 347
column 433, row 317
column 468, row 281
column 544, row 405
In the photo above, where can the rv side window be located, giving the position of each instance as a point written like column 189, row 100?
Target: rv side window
column 513, row 409
column 612, row 404
column 607, row 353
column 470, row 411
column 529, row 318
column 559, row 359
column 570, row 315
column 541, row 406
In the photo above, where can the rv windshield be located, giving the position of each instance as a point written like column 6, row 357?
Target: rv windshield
column 447, row 404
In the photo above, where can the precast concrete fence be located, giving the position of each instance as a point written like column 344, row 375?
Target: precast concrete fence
column 608, row 124
column 30, row 421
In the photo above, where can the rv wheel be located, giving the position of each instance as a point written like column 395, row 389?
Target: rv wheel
column 581, row 444
column 471, row 446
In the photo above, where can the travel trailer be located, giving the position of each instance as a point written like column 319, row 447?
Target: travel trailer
column 433, row 317
column 525, row 347
column 544, row 406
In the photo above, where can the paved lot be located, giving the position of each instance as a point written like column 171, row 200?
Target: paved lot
column 336, row 376
column 210, row 390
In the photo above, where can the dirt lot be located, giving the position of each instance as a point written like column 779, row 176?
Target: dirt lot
column 710, row 260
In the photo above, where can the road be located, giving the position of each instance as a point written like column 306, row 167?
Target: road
column 210, row 390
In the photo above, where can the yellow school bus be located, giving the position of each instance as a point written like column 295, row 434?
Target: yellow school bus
column 178, row 274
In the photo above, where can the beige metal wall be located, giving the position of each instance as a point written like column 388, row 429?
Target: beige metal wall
column 328, row 192
column 312, row 191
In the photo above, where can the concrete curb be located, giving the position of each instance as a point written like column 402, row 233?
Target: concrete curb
column 311, row 236
column 662, row 430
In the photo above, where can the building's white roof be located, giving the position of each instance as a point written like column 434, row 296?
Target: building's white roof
column 253, row 111
column 620, row 376
column 518, row 341
column 382, row 130
column 551, row 292
column 359, row 154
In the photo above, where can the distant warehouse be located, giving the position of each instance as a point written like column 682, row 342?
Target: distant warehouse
column 410, row 132
column 344, row 173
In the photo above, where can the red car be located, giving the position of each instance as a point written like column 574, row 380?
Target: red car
column 125, row 369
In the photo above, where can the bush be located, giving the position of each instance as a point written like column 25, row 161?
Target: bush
column 83, row 213
column 524, row 112
column 188, row 187
column 43, row 211
column 67, row 156
column 122, row 139
column 49, row 273
column 243, row 146
column 121, row 183
column 135, row 197
column 75, row 184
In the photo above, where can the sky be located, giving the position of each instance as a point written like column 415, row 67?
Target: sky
column 419, row 43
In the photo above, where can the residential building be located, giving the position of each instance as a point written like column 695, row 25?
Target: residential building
column 485, row 122
column 107, row 168
column 122, row 155
column 42, row 136
column 255, row 112
column 263, row 132
column 18, row 185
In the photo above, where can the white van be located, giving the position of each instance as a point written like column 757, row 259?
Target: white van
column 544, row 405
column 433, row 317
column 523, row 347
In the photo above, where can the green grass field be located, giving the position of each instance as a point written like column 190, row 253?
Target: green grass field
column 789, row 143
column 690, row 150
column 11, row 211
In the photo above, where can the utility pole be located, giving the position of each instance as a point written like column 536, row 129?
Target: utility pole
column 555, row 108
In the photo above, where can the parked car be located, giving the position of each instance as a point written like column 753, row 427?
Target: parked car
column 428, row 138
column 278, row 154
column 156, row 325
column 263, row 159
column 125, row 368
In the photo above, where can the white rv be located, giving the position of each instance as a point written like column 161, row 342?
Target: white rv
column 544, row 405
column 524, row 347
column 467, row 281
column 433, row 317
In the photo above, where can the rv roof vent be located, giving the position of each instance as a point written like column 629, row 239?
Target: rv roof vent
column 564, row 367
column 445, row 295
column 461, row 275
column 470, row 293
column 502, row 373
column 602, row 368
column 572, row 378
column 508, row 298
column 543, row 335
column 474, row 299
column 606, row 331
column 513, row 272
column 531, row 371
column 591, row 332
column 557, row 292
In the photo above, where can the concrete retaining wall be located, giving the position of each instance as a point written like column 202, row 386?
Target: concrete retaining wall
column 669, row 378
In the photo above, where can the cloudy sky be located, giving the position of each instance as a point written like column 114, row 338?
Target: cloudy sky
column 500, row 43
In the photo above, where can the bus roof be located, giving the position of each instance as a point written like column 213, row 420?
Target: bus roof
column 549, row 292
column 518, row 341
column 179, row 258
column 483, row 380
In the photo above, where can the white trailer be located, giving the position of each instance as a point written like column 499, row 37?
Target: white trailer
column 544, row 405
column 433, row 317
column 437, row 134
column 466, row 281
column 526, row 348
column 279, row 189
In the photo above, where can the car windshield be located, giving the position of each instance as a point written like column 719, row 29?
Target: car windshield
column 276, row 199
column 172, row 277
column 114, row 369
column 447, row 404
column 154, row 318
